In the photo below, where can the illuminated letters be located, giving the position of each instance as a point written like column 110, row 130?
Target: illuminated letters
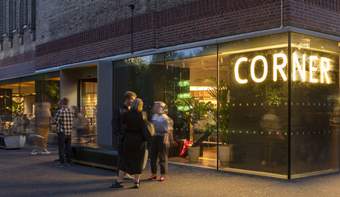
column 279, row 67
column 237, row 68
column 318, row 70
column 301, row 68
column 265, row 68
column 325, row 67
column 312, row 69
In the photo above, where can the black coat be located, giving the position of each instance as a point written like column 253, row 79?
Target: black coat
column 134, row 144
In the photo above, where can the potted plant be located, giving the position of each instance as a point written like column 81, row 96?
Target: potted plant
column 194, row 113
column 14, row 141
column 11, row 138
column 222, row 94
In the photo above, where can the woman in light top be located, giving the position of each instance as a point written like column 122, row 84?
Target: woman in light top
column 160, row 142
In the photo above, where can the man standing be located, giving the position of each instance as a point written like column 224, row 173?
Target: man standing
column 64, row 120
column 118, row 126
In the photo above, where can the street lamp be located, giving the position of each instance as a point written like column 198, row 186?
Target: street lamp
column 132, row 8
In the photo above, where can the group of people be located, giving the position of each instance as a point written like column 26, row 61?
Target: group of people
column 130, row 125
column 133, row 146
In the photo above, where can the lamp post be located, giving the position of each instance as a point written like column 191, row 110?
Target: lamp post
column 132, row 8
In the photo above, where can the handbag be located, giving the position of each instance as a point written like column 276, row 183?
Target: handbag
column 149, row 130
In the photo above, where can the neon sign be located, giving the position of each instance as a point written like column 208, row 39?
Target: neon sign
column 305, row 68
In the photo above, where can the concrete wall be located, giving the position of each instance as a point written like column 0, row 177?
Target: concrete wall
column 105, row 104
column 69, row 82
column 69, row 88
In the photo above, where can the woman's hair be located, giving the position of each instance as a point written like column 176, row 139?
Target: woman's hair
column 129, row 95
column 137, row 105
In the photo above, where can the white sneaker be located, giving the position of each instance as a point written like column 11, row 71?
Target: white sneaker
column 129, row 177
column 34, row 152
column 45, row 152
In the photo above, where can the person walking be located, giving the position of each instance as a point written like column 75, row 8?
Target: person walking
column 119, row 132
column 134, row 143
column 64, row 120
column 161, row 141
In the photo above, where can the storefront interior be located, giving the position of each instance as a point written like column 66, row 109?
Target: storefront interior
column 18, row 98
column 266, row 105
column 79, row 85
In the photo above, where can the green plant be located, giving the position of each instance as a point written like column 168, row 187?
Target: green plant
column 195, row 110
column 18, row 105
column 53, row 94
column 222, row 95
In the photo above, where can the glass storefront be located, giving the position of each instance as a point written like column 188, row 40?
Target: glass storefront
column 186, row 82
column 79, row 85
column 253, row 104
column 314, row 105
column 266, row 105
column 88, row 110
column 19, row 99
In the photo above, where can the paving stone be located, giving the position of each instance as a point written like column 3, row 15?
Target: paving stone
column 25, row 175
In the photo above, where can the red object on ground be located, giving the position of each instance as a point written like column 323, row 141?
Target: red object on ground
column 186, row 145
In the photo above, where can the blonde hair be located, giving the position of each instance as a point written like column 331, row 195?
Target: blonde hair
column 137, row 105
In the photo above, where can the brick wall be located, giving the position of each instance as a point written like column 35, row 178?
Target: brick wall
column 58, row 19
column 63, row 18
column 317, row 15
column 198, row 20
column 79, row 30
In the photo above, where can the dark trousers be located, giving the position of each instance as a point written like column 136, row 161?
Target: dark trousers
column 64, row 146
column 159, row 153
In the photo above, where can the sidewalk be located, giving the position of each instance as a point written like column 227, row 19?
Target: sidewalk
column 38, row 176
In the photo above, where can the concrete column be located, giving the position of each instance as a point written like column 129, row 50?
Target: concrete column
column 105, row 106
column 69, row 86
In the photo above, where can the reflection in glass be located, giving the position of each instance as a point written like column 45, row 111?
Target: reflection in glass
column 253, row 114
column 241, row 123
column 193, row 104
column 314, row 101
column 184, row 80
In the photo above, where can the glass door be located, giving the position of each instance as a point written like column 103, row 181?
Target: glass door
column 88, row 109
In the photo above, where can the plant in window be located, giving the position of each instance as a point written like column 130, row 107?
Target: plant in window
column 193, row 111
column 222, row 94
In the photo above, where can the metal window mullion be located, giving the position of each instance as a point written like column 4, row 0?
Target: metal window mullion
column 218, row 108
column 289, row 106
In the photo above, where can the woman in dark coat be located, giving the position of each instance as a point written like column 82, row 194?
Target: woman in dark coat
column 134, row 144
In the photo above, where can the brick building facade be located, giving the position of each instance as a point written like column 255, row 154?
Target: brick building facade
column 95, row 29
column 86, row 41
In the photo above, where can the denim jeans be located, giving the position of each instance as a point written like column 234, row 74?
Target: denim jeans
column 64, row 145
